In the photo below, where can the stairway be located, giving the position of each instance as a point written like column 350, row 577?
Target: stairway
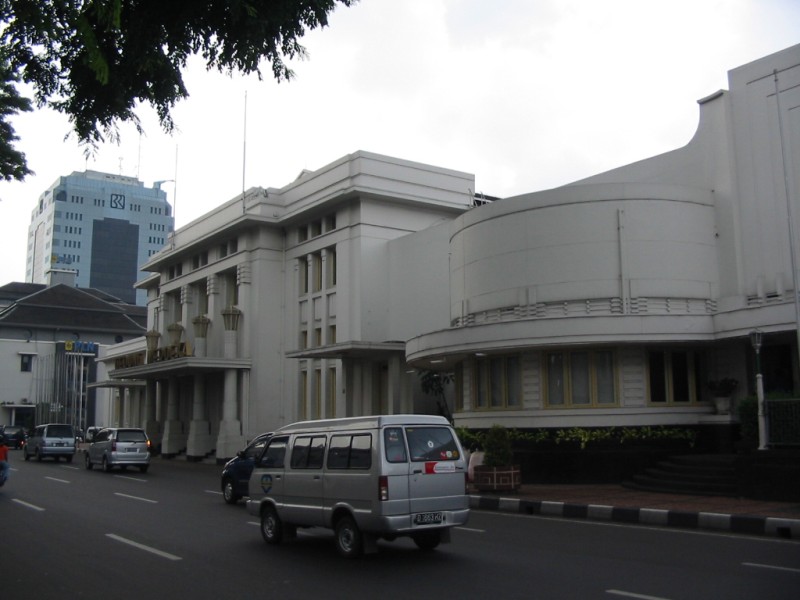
column 696, row 474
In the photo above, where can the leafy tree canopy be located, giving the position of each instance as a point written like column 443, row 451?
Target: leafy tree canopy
column 95, row 60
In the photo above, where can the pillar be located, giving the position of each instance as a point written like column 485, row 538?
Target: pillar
column 200, row 443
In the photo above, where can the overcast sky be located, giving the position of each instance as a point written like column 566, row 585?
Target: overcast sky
column 525, row 94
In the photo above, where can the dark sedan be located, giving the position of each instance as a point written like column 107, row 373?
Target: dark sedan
column 15, row 436
column 236, row 473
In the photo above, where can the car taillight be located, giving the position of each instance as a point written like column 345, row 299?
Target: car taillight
column 148, row 444
column 114, row 446
column 383, row 488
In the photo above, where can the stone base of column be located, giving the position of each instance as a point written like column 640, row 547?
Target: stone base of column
column 173, row 441
column 230, row 439
column 200, row 442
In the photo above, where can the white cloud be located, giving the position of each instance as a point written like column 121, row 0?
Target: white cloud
column 525, row 95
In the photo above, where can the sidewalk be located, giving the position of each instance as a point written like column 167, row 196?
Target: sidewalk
column 617, row 503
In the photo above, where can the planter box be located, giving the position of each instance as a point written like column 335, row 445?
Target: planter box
column 497, row 479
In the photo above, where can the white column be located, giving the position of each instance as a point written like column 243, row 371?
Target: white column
column 230, row 439
column 174, row 440
column 200, row 442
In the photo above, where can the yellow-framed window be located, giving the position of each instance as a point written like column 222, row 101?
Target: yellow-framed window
column 498, row 383
column 580, row 378
column 673, row 376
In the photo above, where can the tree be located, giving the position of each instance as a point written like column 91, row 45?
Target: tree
column 96, row 60
column 12, row 162
column 433, row 384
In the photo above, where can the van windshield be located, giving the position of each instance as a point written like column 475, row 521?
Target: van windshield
column 432, row 443
column 131, row 435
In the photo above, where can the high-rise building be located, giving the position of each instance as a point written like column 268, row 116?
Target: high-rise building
column 100, row 225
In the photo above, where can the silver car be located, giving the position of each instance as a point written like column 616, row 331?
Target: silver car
column 53, row 440
column 119, row 447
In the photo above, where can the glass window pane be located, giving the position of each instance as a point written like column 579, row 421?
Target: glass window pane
column 480, row 384
column 680, row 377
column 496, row 381
column 658, row 389
column 555, row 379
column 513, row 381
column 579, row 377
column 604, row 373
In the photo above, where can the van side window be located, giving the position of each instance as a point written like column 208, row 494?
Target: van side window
column 432, row 443
column 274, row 454
column 395, row 447
column 350, row 451
column 308, row 452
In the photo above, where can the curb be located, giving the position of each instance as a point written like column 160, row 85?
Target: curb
column 742, row 524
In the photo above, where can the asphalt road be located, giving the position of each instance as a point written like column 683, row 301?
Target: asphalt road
column 70, row 533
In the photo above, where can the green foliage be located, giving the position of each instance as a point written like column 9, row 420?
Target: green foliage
column 724, row 387
column 497, row 447
column 12, row 162
column 583, row 436
column 433, row 383
column 96, row 60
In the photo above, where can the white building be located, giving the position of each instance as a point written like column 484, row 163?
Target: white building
column 610, row 301
column 103, row 227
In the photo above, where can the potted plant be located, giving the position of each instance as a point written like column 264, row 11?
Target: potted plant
column 722, row 390
column 498, row 471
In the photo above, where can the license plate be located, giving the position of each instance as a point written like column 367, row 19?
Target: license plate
column 431, row 518
column 132, row 449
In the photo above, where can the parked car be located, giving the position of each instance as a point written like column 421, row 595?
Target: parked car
column 236, row 472
column 54, row 440
column 119, row 447
column 15, row 436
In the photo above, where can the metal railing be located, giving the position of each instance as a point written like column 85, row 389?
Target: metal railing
column 783, row 421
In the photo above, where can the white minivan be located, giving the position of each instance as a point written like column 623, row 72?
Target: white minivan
column 367, row 478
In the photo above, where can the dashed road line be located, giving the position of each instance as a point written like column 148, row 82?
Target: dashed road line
column 150, row 549
column 135, row 498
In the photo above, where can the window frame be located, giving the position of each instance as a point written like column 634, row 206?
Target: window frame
column 567, row 378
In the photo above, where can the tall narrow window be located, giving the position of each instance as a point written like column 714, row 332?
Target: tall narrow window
column 580, row 378
column 498, row 382
column 331, row 274
column 555, row 378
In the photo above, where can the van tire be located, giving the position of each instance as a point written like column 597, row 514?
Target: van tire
column 228, row 494
column 349, row 542
column 428, row 540
column 87, row 462
column 271, row 526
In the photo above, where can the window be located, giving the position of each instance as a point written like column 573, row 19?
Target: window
column 303, row 275
column 274, row 454
column 26, row 363
column 330, row 409
column 431, row 443
column 308, row 452
column 498, row 382
column 580, row 378
column 672, row 376
column 330, row 279
column 394, row 445
column 350, row 451
column 316, row 271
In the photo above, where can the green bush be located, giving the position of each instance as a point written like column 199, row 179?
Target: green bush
column 497, row 447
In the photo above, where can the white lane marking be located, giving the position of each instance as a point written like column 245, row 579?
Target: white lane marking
column 214, row 492
column 632, row 595
column 256, row 523
column 129, row 478
column 136, row 498
column 56, row 479
column 69, row 467
column 471, row 529
column 150, row 549
column 27, row 505
column 774, row 567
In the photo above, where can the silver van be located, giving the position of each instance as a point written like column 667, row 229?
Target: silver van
column 54, row 440
column 367, row 478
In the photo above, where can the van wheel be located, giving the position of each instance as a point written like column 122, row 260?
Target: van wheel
column 348, row 538
column 271, row 526
column 26, row 455
column 87, row 462
column 428, row 540
column 106, row 466
column 228, row 494
column 38, row 455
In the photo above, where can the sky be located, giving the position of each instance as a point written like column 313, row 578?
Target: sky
column 524, row 94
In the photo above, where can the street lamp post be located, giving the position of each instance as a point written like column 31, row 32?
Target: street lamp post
column 755, row 340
